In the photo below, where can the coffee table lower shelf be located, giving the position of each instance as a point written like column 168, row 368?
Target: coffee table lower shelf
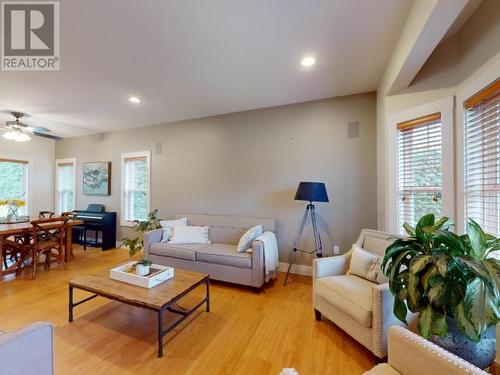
column 171, row 306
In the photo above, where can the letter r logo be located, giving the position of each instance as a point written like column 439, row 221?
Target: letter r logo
column 28, row 29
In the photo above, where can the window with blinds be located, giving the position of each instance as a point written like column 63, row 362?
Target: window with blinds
column 13, row 183
column 420, row 168
column 135, row 186
column 65, row 185
column 482, row 158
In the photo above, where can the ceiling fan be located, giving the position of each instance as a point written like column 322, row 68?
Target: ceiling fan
column 18, row 131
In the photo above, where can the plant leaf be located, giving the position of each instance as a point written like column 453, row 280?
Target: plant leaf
column 439, row 325
column 400, row 310
column 477, row 240
column 414, row 294
column 480, row 305
column 425, row 278
column 409, row 229
column 442, row 264
column 425, row 322
column 493, row 265
column 425, row 221
column 464, row 324
column 436, row 292
column 453, row 242
column 418, row 263
column 444, row 220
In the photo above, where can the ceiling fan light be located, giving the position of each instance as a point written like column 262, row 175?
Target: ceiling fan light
column 22, row 137
column 10, row 135
column 16, row 136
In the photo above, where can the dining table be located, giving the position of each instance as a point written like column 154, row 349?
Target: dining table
column 24, row 229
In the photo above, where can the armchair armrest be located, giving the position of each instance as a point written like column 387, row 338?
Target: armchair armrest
column 383, row 318
column 150, row 238
column 331, row 266
column 28, row 350
column 411, row 354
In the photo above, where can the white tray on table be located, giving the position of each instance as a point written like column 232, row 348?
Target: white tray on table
column 157, row 275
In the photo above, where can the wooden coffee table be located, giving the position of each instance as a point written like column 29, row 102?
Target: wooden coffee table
column 160, row 298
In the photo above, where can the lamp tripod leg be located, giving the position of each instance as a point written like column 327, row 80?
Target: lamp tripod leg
column 317, row 235
column 296, row 243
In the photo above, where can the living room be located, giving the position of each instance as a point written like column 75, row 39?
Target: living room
column 221, row 187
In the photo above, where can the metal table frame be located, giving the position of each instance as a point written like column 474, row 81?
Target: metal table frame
column 171, row 306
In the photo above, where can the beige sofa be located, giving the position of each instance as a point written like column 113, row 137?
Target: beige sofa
column 219, row 259
column 410, row 354
column 28, row 351
column 360, row 307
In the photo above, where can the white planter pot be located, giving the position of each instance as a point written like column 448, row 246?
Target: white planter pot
column 141, row 270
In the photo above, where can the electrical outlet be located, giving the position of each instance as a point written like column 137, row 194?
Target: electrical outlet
column 336, row 250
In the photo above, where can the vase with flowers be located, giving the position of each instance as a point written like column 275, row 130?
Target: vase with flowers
column 13, row 206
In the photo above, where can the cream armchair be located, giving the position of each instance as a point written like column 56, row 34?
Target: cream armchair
column 410, row 354
column 360, row 307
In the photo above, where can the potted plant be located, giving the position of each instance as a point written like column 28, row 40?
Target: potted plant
column 452, row 282
column 142, row 267
column 135, row 245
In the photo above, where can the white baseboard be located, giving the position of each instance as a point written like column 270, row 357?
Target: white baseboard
column 299, row 269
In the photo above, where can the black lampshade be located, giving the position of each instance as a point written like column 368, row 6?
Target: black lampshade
column 311, row 192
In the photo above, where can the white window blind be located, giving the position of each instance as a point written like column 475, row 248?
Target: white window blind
column 419, row 169
column 482, row 158
column 65, row 186
column 135, row 187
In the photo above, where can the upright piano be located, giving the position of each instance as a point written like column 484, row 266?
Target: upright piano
column 96, row 219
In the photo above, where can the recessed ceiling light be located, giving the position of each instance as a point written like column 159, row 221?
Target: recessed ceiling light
column 134, row 99
column 308, row 61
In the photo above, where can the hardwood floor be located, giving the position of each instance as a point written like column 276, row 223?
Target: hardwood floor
column 245, row 332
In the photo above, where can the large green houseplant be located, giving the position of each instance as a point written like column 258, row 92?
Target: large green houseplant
column 448, row 279
column 136, row 244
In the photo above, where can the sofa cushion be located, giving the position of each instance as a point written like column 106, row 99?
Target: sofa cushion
column 349, row 293
column 382, row 369
column 246, row 240
column 176, row 251
column 219, row 253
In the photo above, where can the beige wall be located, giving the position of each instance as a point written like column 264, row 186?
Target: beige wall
column 39, row 152
column 250, row 163
column 454, row 63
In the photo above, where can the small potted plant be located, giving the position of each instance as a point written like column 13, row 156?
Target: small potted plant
column 142, row 267
column 452, row 282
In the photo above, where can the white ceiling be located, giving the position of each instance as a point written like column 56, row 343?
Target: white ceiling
column 189, row 59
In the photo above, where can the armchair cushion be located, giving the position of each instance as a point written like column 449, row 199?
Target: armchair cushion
column 366, row 265
column 349, row 293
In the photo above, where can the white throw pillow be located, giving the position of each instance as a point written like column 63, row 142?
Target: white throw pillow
column 366, row 265
column 247, row 238
column 167, row 226
column 182, row 235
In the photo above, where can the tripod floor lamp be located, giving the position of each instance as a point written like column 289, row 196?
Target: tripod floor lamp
column 310, row 192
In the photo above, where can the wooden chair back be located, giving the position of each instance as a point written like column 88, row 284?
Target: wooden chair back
column 51, row 230
column 45, row 214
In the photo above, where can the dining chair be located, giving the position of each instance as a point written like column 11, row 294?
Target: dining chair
column 48, row 238
column 45, row 214
column 10, row 251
